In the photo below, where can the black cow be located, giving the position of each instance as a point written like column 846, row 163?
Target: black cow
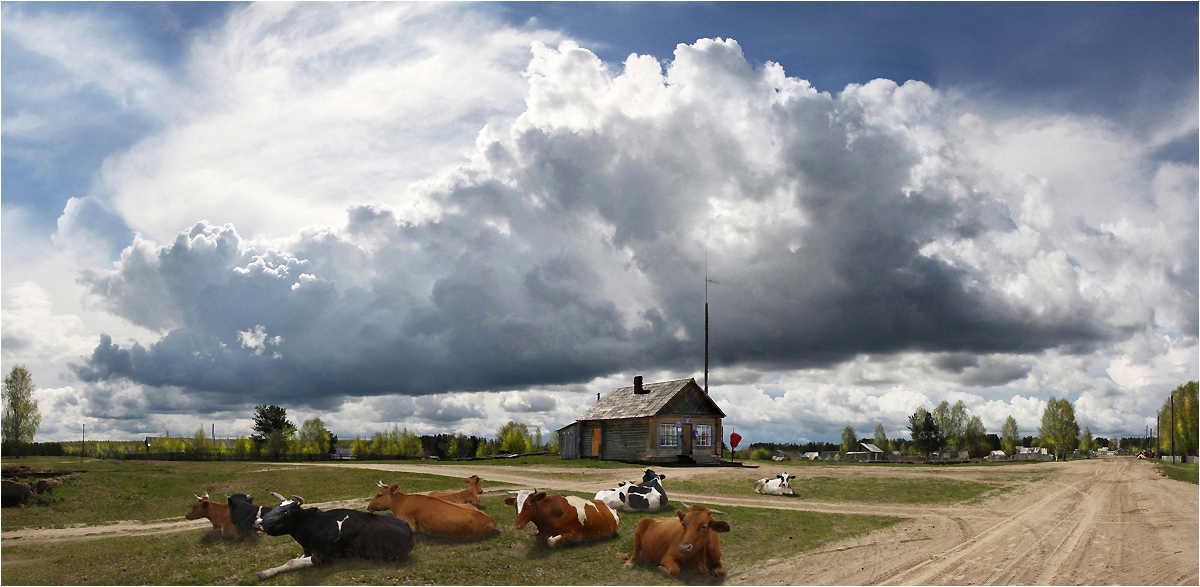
column 243, row 513
column 334, row 534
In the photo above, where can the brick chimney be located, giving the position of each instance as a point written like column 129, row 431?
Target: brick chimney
column 637, row 386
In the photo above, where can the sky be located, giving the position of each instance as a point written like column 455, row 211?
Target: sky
column 449, row 216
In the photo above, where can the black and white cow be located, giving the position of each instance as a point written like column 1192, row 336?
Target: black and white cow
column 334, row 534
column 647, row 496
column 780, row 485
column 243, row 512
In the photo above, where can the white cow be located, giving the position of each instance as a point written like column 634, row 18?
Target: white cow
column 613, row 497
column 780, row 485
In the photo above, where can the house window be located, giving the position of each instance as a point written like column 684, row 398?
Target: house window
column 667, row 435
column 703, row 434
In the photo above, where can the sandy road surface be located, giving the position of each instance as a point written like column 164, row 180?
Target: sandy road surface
column 1092, row 522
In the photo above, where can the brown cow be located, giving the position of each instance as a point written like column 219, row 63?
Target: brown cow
column 217, row 513
column 688, row 542
column 470, row 495
column 562, row 519
column 431, row 515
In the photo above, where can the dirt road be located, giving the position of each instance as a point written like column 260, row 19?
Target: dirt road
column 1098, row 522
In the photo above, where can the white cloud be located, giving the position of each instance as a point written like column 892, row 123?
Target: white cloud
column 367, row 212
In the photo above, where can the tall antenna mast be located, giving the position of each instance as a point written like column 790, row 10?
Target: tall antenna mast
column 706, row 282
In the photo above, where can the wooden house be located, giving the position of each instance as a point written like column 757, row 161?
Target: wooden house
column 667, row 422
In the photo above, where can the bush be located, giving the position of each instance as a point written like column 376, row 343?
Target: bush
column 760, row 454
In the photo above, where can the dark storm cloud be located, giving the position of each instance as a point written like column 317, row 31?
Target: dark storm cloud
column 576, row 250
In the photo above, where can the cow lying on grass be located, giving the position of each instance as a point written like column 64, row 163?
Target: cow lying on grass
column 647, row 496
column 430, row 515
column 217, row 513
column 563, row 519
column 334, row 534
column 244, row 513
column 470, row 495
column 688, row 541
column 780, row 485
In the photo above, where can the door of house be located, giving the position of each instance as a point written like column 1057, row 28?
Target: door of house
column 596, row 442
column 685, row 440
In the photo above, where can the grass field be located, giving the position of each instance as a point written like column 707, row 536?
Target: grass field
column 864, row 490
column 1188, row 472
column 114, row 490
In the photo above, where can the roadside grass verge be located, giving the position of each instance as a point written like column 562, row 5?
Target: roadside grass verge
column 890, row 490
column 113, row 490
column 508, row 558
column 1187, row 472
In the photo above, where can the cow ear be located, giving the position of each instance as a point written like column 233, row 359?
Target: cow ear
column 719, row 526
column 538, row 497
column 204, row 505
column 394, row 488
column 662, row 477
column 510, row 501
column 681, row 515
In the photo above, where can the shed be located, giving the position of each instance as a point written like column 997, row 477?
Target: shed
column 666, row 422
column 874, row 453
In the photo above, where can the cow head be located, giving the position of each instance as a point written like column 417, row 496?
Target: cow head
column 475, row 483
column 200, row 508
column 279, row 520
column 526, row 503
column 698, row 528
column 383, row 499
column 785, row 479
column 650, row 476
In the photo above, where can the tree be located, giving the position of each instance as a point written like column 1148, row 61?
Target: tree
column 200, row 446
column 360, row 448
column 1184, row 425
column 926, row 436
column 952, row 422
column 314, row 439
column 1059, row 429
column 849, row 440
column 1085, row 439
column 514, row 438
column 21, row 415
column 269, row 418
column 974, row 437
column 881, row 439
column 1009, row 436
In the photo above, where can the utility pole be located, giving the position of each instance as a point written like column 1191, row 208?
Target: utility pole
column 1172, row 431
column 706, row 282
column 83, row 442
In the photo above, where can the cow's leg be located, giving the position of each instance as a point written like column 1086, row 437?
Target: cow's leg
column 292, row 565
column 670, row 565
column 718, row 570
column 637, row 543
column 564, row 538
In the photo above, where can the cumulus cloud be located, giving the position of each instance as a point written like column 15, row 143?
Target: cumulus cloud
column 884, row 221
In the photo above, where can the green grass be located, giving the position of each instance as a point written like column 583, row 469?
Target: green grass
column 112, row 490
column 509, row 558
column 1188, row 472
column 865, row 490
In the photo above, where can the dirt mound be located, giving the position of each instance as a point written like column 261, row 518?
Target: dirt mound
column 22, row 484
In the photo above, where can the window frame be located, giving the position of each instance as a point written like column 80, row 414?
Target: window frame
column 704, row 440
column 670, row 438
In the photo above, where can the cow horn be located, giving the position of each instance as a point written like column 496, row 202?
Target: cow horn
column 298, row 499
column 381, row 484
column 279, row 497
column 685, row 506
column 198, row 497
column 205, row 495
column 716, row 512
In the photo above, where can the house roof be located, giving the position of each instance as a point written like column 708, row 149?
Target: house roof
column 871, row 447
column 623, row 403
